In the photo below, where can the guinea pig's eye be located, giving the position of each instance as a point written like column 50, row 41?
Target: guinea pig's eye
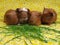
column 51, row 14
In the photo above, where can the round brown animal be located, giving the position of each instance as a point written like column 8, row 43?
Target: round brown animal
column 49, row 16
column 23, row 15
column 35, row 18
column 10, row 17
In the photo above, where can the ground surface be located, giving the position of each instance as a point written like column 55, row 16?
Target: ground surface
column 27, row 34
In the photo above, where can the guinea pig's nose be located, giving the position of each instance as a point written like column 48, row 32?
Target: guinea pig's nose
column 51, row 14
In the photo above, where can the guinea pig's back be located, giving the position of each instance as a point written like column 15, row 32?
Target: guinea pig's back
column 10, row 17
column 35, row 18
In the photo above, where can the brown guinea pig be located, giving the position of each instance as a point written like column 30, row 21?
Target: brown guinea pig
column 23, row 15
column 35, row 18
column 49, row 16
column 10, row 17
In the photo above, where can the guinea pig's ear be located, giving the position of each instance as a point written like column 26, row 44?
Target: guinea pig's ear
column 45, row 11
column 18, row 10
column 29, row 12
column 45, row 8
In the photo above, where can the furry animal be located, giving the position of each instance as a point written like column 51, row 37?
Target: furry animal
column 10, row 17
column 35, row 18
column 49, row 16
column 23, row 15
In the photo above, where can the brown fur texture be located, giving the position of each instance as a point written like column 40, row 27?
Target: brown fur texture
column 10, row 17
column 35, row 18
column 49, row 16
column 23, row 15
